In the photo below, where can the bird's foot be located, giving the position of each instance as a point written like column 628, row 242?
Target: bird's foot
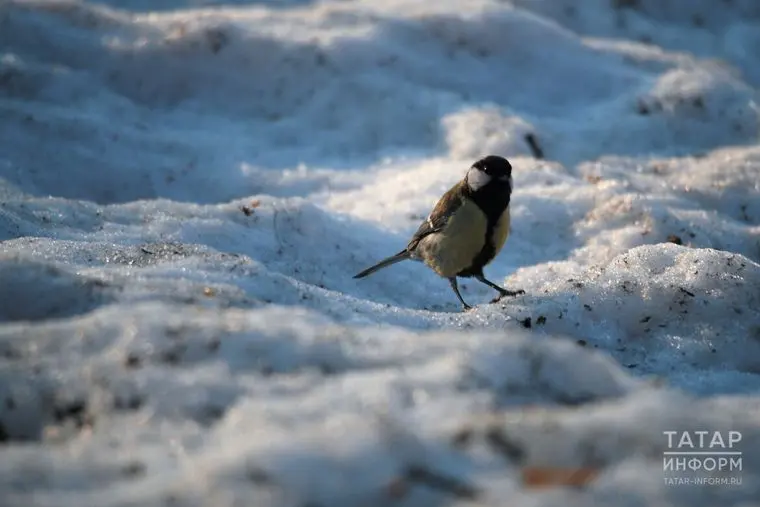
column 507, row 293
column 466, row 308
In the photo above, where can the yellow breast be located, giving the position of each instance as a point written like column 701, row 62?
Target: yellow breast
column 453, row 249
column 501, row 232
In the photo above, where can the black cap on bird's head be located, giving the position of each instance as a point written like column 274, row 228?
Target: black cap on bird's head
column 492, row 168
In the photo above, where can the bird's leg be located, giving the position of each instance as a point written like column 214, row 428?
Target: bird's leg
column 502, row 292
column 453, row 282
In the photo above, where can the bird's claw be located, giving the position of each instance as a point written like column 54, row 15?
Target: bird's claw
column 507, row 293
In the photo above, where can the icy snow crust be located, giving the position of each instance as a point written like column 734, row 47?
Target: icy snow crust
column 186, row 194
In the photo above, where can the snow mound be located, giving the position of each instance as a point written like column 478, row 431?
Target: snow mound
column 666, row 309
column 329, row 413
column 34, row 291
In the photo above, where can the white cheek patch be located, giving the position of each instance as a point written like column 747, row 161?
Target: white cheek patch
column 477, row 179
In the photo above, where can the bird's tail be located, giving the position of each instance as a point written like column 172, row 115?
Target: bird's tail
column 393, row 259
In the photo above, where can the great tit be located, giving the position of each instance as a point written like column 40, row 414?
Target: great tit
column 466, row 229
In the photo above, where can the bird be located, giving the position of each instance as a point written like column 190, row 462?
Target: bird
column 466, row 229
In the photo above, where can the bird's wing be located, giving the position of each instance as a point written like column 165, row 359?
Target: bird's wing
column 447, row 205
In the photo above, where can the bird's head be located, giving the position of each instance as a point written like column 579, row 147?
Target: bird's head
column 492, row 171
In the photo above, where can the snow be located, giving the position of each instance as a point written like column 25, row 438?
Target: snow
column 188, row 187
